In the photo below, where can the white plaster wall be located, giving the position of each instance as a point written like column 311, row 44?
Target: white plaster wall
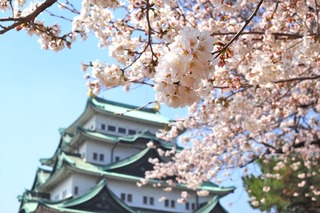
column 83, row 151
column 84, row 183
column 123, row 151
column 118, row 187
column 203, row 199
column 128, row 124
column 91, row 124
column 99, row 148
column 119, row 150
column 65, row 185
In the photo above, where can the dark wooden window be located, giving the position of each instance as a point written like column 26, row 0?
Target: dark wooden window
column 76, row 190
column 129, row 197
column 101, row 157
column 95, row 156
column 166, row 203
column 111, row 128
column 151, row 200
column 173, row 203
column 132, row 132
column 193, row 206
column 187, row 205
column 145, row 199
column 103, row 126
column 123, row 196
column 122, row 130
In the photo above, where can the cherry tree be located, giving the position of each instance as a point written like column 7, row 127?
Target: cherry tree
column 248, row 71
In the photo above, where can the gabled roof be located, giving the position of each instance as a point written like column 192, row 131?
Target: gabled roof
column 65, row 139
column 147, row 114
column 98, row 199
column 41, row 177
column 96, row 104
column 130, row 139
column 114, row 138
column 137, row 164
column 28, row 206
column 146, row 136
column 212, row 206
column 72, row 163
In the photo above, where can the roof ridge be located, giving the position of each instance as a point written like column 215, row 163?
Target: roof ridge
column 129, row 106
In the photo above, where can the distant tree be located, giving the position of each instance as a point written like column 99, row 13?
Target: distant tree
column 285, row 186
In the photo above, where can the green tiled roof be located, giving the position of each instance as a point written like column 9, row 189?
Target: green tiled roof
column 114, row 138
column 209, row 185
column 98, row 105
column 41, row 177
column 212, row 206
column 130, row 138
column 127, row 161
column 66, row 210
column 135, row 112
column 29, row 207
column 80, row 204
column 66, row 140
column 102, row 185
column 78, row 164
column 137, row 164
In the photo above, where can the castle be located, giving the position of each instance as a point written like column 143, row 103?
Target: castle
column 99, row 161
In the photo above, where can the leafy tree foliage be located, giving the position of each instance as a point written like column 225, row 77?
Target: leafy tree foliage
column 285, row 186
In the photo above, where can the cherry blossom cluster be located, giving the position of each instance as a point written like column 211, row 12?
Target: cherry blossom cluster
column 182, row 66
column 109, row 76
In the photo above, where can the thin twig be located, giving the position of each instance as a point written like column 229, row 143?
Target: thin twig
column 149, row 29
column 238, row 33
column 317, row 17
column 298, row 79
column 276, row 35
column 136, row 109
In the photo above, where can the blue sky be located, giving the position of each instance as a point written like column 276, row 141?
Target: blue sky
column 42, row 91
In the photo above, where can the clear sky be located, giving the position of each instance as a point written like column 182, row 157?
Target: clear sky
column 42, row 91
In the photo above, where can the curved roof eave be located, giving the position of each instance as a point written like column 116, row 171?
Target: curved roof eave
column 210, row 205
column 129, row 111
column 39, row 179
column 59, row 209
column 85, row 116
column 130, row 160
column 59, row 166
column 95, row 104
column 94, row 192
column 75, row 163
column 221, row 191
column 101, row 136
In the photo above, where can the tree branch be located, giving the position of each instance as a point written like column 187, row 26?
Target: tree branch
column 298, row 79
column 276, row 35
column 28, row 18
column 238, row 33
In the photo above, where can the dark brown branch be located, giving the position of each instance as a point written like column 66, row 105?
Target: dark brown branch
column 276, row 35
column 28, row 18
column 303, row 143
column 149, row 29
column 218, row 52
column 298, row 79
